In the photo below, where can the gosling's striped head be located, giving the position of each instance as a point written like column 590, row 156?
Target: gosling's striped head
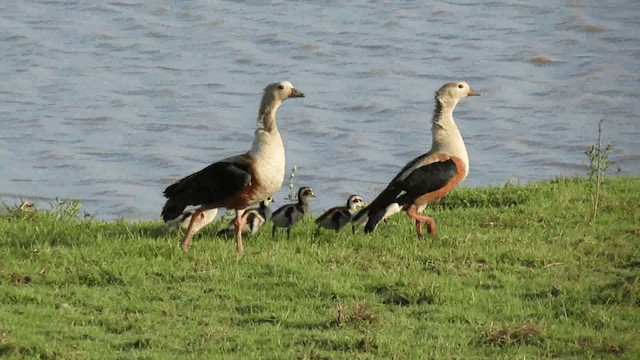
column 355, row 202
column 305, row 192
column 266, row 202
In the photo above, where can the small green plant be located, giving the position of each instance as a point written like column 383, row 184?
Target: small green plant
column 227, row 217
column 68, row 209
column 293, row 193
column 599, row 162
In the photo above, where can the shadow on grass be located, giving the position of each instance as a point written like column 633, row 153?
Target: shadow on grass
column 631, row 264
column 252, row 320
column 138, row 344
column 7, row 348
column 403, row 295
column 552, row 292
column 584, row 347
column 366, row 343
column 623, row 291
column 356, row 315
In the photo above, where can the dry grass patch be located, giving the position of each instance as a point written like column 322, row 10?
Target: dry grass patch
column 355, row 315
column 522, row 334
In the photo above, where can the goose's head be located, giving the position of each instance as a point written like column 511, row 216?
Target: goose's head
column 305, row 192
column 266, row 202
column 451, row 93
column 282, row 90
column 355, row 202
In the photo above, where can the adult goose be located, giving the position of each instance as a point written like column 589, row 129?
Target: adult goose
column 240, row 181
column 431, row 176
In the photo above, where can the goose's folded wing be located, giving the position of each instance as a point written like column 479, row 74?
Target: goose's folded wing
column 213, row 183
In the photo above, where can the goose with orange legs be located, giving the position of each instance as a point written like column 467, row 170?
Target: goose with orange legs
column 428, row 177
column 240, row 181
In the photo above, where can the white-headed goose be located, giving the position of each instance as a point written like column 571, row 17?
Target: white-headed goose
column 337, row 217
column 288, row 215
column 252, row 219
column 432, row 175
column 240, row 181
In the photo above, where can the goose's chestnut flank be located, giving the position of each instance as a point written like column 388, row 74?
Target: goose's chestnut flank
column 431, row 176
column 288, row 215
column 240, row 181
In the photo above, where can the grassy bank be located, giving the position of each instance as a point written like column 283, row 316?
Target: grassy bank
column 517, row 272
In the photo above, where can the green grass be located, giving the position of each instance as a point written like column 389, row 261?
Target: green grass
column 518, row 271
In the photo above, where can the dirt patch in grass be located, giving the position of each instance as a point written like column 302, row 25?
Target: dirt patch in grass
column 355, row 315
column 19, row 279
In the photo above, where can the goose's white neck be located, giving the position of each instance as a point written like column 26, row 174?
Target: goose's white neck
column 267, row 114
column 446, row 136
column 267, row 149
column 266, row 129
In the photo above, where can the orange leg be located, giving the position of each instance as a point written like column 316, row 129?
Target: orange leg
column 239, row 246
column 421, row 220
column 197, row 216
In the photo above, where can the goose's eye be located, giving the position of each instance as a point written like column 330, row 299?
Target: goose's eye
column 460, row 86
column 281, row 87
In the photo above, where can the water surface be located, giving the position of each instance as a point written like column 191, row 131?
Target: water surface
column 110, row 102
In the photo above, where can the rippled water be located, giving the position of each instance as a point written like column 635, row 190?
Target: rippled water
column 109, row 103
